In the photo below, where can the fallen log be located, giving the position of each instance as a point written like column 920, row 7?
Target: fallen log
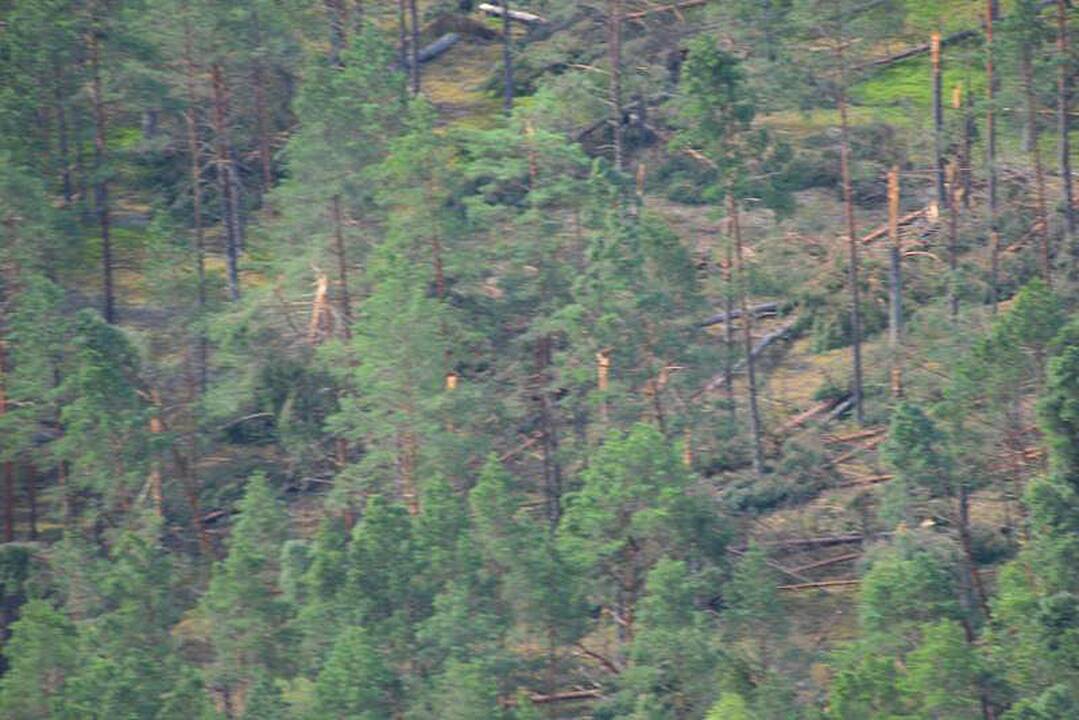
column 882, row 231
column 919, row 49
column 799, row 420
column 821, row 584
column 873, row 442
column 538, row 699
column 676, row 7
column 438, row 47
column 823, row 541
column 859, row 482
column 826, row 563
column 774, row 565
column 861, row 435
column 768, row 308
column 518, row 15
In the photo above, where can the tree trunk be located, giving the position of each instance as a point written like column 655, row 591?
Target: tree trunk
column 335, row 14
column 991, row 154
column 194, row 169
column 101, row 185
column 953, row 241
column 614, row 12
column 747, row 338
column 229, row 204
column 31, row 498
column 1064, row 76
column 552, row 469
column 728, row 330
column 61, row 132
column 969, row 128
column 402, row 36
column 895, row 282
column 1042, row 217
column 852, row 237
column 507, row 60
column 938, row 120
column 344, row 301
column 414, row 47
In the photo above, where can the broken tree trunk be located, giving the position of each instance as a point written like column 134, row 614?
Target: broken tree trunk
column 763, row 344
column 953, row 240
column 829, row 562
column 938, row 119
column 802, row 418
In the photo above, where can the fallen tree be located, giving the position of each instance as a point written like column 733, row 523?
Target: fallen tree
column 844, row 582
column 430, row 52
column 517, row 15
column 768, row 308
column 763, row 344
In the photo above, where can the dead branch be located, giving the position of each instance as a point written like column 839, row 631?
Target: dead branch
column 675, row 8
column 830, row 561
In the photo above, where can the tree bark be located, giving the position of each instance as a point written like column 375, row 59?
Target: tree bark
column 852, row 239
column 1064, row 76
column 991, row 154
column 344, row 301
column 31, row 498
column 1026, row 63
column 895, row 282
column 101, row 185
column 195, row 175
column 953, row 242
column 728, row 330
column 507, row 60
column 229, row 203
column 614, row 42
column 414, row 47
column 938, row 120
column 402, row 35
column 747, row 338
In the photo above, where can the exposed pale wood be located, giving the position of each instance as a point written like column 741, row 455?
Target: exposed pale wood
column 826, row 563
column 821, row 584
column 802, row 418
column 518, row 15
column 675, row 8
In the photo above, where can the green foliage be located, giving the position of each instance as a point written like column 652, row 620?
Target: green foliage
column 41, row 658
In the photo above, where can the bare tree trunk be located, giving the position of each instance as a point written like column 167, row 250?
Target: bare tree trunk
column 852, row 238
column 229, row 204
column 938, row 120
column 991, row 154
column 895, row 283
column 101, row 185
column 614, row 42
column 344, row 301
column 1063, row 126
column 414, row 47
column 747, row 338
column 967, row 167
column 953, row 241
column 1042, row 216
column 507, row 60
column 194, row 153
